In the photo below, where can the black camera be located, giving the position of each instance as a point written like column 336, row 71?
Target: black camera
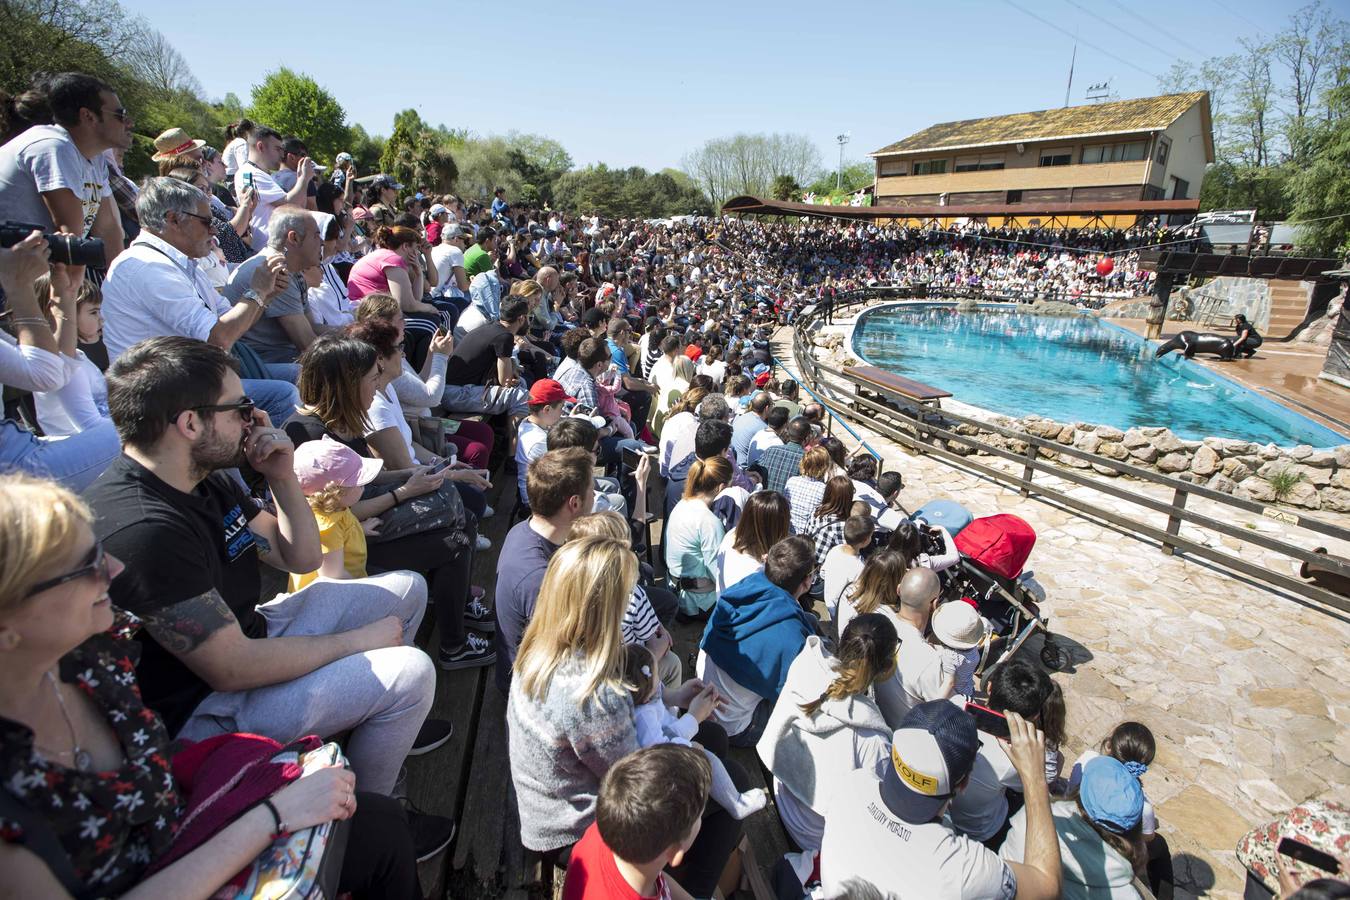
column 66, row 248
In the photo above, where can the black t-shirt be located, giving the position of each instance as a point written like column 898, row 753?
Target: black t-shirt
column 475, row 357
column 301, row 429
column 176, row 546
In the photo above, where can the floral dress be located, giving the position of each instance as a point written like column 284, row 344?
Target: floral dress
column 112, row 824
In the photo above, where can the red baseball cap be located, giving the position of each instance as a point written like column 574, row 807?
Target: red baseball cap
column 546, row 390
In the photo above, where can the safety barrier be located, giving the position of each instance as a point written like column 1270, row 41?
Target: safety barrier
column 934, row 432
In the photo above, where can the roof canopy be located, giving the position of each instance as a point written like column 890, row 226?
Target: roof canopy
column 1070, row 122
column 1168, row 262
column 748, row 205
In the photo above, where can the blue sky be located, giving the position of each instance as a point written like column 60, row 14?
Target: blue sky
column 642, row 83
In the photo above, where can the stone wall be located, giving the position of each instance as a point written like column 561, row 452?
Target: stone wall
column 1297, row 476
column 1249, row 296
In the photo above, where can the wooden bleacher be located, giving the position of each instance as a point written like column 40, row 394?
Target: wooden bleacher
column 469, row 778
column 867, row 379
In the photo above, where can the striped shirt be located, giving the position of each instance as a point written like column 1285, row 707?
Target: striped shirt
column 639, row 619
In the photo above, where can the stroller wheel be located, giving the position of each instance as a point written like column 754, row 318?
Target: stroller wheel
column 1052, row 657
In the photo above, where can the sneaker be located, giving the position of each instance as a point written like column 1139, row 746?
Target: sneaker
column 478, row 616
column 434, row 733
column 431, row 833
column 476, row 593
column 487, row 513
column 484, row 543
column 475, row 651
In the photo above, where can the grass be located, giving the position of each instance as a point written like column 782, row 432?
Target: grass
column 1283, row 481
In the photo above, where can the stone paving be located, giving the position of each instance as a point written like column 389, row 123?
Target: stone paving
column 1247, row 690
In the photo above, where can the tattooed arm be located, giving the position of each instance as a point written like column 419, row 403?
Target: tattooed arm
column 204, row 634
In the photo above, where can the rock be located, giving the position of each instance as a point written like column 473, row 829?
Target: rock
column 1152, row 431
column 1065, row 435
column 1074, row 462
column 1113, row 450
column 1319, row 459
column 1257, row 489
column 1221, row 482
column 1136, row 438
column 1088, row 441
column 1274, row 467
column 1017, row 446
column 1341, row 479
column 1084, row 426
column 1206, row 461
column 1197, row 812
column 1269, row 451
column 967, row 429
column 1110, row 434
column 1105, row 470
column 1191, row 446
column 1342, row 456
column 1167, row 442
column 1173, row 462
column 1335, row 499
column 1235, row 469
column 1314, row 476
column 1145, row 454
column 1301, row 452
column 1305, row 495
column 1302, row 701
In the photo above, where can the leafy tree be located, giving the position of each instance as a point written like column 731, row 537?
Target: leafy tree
column 294, row 103
column 858, row 174
column 1229, row 185
column 415, row 157
column 630, row 193
column 1320, row 190
column 748, row 163
column 785, row 187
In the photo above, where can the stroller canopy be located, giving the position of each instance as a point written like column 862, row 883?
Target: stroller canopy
column 999, row 544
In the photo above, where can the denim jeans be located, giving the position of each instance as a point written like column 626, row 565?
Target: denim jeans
column 276, row 398
column 75, row 461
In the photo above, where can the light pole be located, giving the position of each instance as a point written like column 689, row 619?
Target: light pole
column 839, row 175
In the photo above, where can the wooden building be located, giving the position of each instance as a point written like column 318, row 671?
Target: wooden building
column 1148, row 149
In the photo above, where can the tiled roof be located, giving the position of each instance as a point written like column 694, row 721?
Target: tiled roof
column 1121, row 116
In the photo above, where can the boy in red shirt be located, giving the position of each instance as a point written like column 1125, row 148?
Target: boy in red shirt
column 648, row 814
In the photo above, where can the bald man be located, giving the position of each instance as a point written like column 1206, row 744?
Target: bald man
column 918, row 674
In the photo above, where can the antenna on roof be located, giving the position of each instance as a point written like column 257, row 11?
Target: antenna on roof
column 1099, row 91
column 1073, row 59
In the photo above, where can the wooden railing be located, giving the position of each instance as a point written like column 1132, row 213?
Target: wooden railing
column 934, row 433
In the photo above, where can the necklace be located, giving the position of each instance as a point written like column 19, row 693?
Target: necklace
column 83, row 761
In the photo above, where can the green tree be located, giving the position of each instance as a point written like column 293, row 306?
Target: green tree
column 1320, row 190
column 415, row 156
column 293, row 103
column 785, row 187
column 633, row 193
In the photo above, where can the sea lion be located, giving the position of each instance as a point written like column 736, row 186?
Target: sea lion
column 1193, row 342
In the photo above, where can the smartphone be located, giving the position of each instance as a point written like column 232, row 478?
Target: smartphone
column 988, row 721
column 631, row 458
column 441, row 466
column 248, row 179
column 1297, row 850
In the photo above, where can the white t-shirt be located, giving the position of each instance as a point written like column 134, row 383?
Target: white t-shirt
column 979, row 810
column 447, row 257
column 839, row 572
column 918, row 674
column 270, row 196
column 235, row 155
column 82, row 402
column 386, row 412
column 740, row 702
column 44, row 158
column 732, row 564
column 531, row 443
column 328, row 303
column 865, row 842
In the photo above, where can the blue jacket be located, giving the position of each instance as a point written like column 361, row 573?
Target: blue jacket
column 755, row 632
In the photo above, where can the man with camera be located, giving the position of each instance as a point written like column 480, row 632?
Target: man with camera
column 55, row 177
column 265, row 153
column 156, row 289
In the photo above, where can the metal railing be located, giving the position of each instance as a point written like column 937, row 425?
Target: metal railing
column 934, row 432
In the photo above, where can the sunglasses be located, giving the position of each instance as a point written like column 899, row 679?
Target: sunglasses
column 244, row 407
column 200, row 218
column 97, row 564
column 120, row 114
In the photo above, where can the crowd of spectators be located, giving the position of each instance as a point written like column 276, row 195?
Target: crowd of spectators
column 324, row 371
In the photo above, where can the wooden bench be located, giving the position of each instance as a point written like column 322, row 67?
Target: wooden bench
column 869, row 378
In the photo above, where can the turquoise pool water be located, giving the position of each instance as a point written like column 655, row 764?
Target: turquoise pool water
column 1073, row 369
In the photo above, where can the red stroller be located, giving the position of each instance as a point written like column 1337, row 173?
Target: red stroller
column 994, row 551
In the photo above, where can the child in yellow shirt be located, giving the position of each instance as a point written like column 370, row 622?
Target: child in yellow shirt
column 332, row 476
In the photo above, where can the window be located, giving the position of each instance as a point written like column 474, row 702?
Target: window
column 977, row 163
column 896, row 167
column 1014, row 197
column 1163, row 147
column 1129, row 152
column 1179, row 188
column 930, row 167
column 1061, row 156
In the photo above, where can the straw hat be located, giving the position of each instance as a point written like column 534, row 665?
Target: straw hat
column 958, row 625
column 175, row 142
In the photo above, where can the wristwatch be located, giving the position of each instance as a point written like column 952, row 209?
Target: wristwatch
column 253, row 296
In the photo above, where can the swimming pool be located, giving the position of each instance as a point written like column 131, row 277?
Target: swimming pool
column 1071, row 369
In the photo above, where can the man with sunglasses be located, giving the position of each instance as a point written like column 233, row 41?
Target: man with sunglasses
column 336, row 656
column 56, row 176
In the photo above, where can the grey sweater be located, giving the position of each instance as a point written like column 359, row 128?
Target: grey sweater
column 560, row 749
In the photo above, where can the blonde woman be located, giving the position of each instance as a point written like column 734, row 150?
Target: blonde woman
column 694, row 536
column 87, row 763
column 570, row 716
column 826, row 724
column 670, row 388
column 806, row 490
column 876, row 590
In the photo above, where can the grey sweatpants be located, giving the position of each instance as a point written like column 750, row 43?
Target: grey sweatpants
column 381, row 696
